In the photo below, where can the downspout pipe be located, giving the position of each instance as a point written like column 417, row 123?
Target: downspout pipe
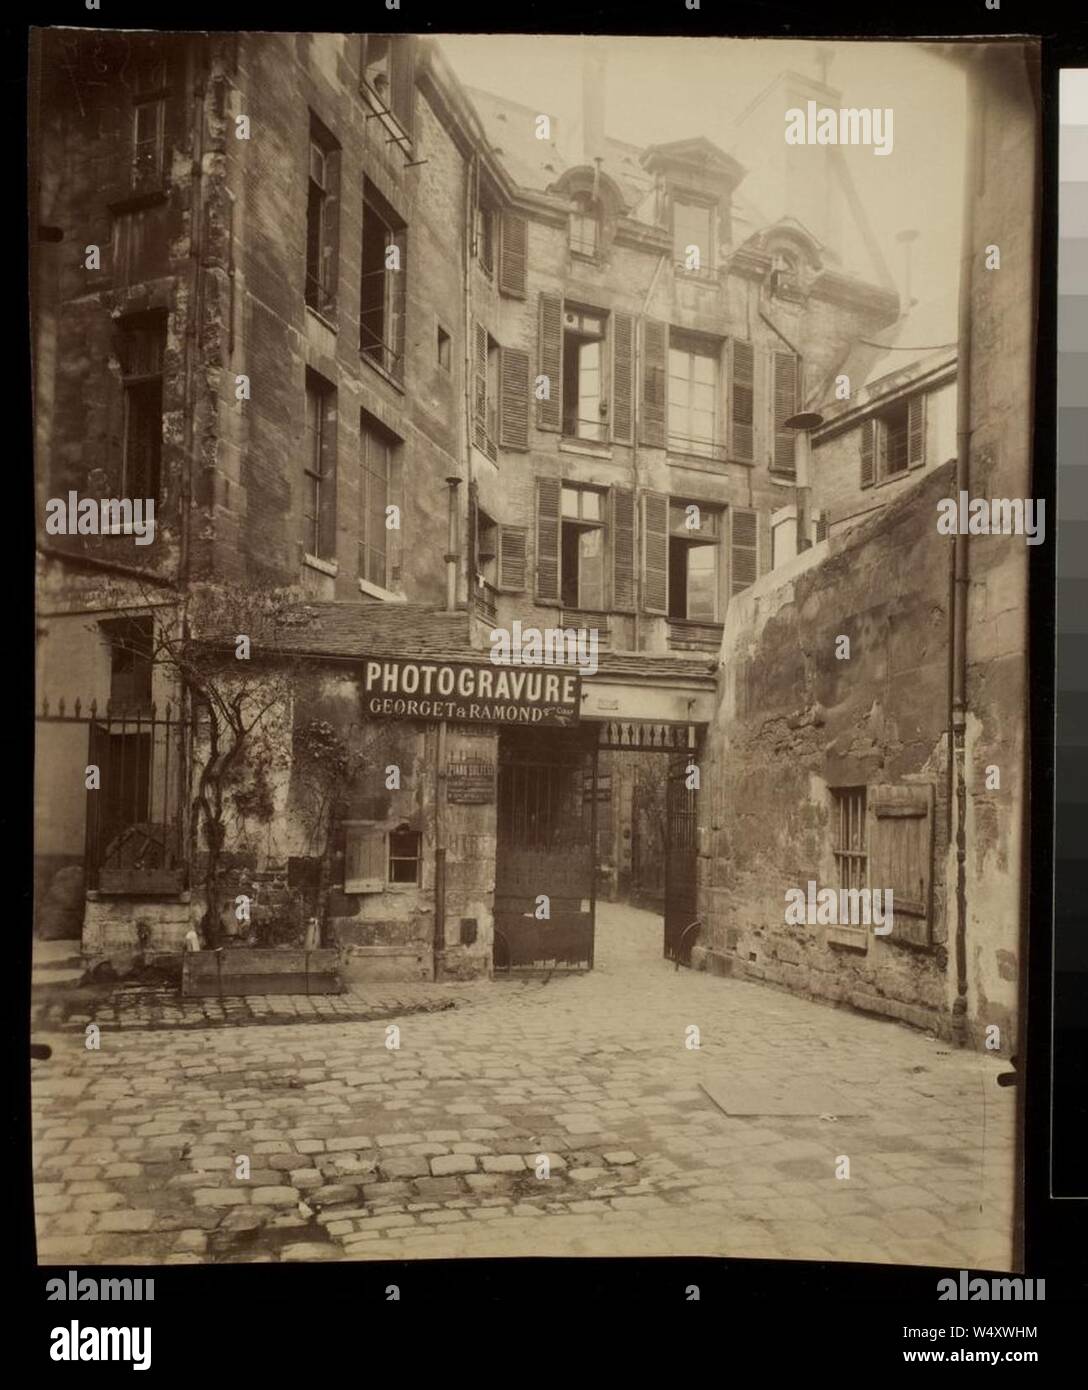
column 960, row 572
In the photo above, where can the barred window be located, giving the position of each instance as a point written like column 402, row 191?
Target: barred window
column 848, row 830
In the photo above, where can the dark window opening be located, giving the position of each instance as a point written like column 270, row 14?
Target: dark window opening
column 142, row 348
column 131, row 645
column 485, row 237
column 492, row 395
column 585, row 404
column 444, row 349
column 849, row 836
column 375, row 485
column 321, row 201
column 582, row 550
column 694, row 559
column 404, row 856
column 894, row 436
column 318, row 466
column 382, row 295
column 148, row 122
column 584, row 225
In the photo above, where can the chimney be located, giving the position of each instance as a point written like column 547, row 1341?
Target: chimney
column 906, row 239
column 593, row 100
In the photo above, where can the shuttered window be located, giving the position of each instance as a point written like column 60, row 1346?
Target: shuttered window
column 549, row 409
column 513, row 255
column 364, row 857
column 784, row 367
column 623, row 550
column 652, row 418
column 901, row 857
column 916, row 431
column 512, row 558
column 623, row 378
column 513, row 398
column 547, row 539
column 742, row 376
column 479, row 387
column 868, row 453
column 655, row 552
column 743, row 549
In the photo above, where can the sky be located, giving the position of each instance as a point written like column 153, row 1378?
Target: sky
column 667, row 88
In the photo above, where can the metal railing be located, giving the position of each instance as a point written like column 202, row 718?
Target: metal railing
column 135, row 771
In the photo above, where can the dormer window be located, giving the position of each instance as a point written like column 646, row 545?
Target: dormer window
column 785, row 273
column 692, row 234
column 584, row 225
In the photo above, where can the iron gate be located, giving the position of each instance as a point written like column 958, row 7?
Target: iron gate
column 545, row 869
column 135, row 838
column 681, row 916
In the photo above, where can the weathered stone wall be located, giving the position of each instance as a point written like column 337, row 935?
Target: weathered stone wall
column 794, row 720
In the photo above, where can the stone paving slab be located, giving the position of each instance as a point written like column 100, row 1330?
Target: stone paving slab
column 536, row 1118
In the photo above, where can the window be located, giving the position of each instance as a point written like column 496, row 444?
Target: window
column 404, row 855
column 382, row 296
column 585, row 410
column 485, row 237
column 148, row 122
column 321, row 228
column 894, row 441
column 443, row 350
column 131, row 643
column 584, row 225
column 785, row 273
column 693, row 563
column 582, row 548
column 693, row 395
column 848, row 835
column 693, row 226
column 375, row 484
column 388, row 79
column 143, row 343
column 319, row 467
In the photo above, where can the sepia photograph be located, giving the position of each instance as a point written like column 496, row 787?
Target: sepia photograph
column 532, row 705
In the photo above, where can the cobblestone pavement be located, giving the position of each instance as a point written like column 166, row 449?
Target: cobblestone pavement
column 360, row 1152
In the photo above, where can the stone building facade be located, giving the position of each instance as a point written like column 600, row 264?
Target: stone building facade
column 433, row 366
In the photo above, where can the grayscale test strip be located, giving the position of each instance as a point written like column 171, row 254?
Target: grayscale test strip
column 1071, row 619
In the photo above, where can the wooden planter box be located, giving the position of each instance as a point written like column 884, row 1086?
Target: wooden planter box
column 257, row 970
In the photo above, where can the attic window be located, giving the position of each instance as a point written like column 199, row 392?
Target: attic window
column 584, row 225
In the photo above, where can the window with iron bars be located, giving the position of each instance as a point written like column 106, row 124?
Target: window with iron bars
column 848, row 831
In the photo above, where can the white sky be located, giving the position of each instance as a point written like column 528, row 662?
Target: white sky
column 665, row 88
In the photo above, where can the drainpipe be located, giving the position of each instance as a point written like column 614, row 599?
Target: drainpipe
column 439, row 948
column 958, row 770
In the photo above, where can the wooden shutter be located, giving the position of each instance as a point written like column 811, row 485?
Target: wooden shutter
column 743, row 549
column 784, row 392
column 901, row 856
column 655, row 552
column 479, row 373
column 512, row 557
column 742, row 383
column 623, row 549
column 868, row 452
column 623, row 378
column 513, row 255
column 549, row 358
column 403, row 80
column 916, row 431
column 364, row 858
column 513, row 398
column 548, row 491
column 652, row 415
